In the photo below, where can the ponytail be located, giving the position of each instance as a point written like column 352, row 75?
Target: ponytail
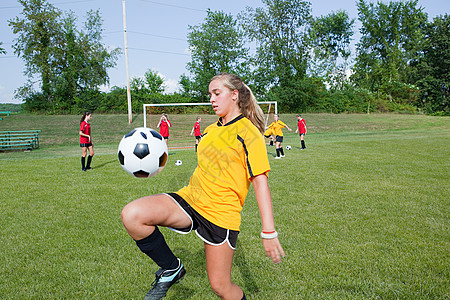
column 247, row 103
column 86, row 113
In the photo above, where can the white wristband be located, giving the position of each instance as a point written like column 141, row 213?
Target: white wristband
column 269, row 235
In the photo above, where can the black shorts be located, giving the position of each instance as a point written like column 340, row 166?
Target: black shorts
column 207, row 231
column 198, row 137
column 85, row 145
column 279, row 139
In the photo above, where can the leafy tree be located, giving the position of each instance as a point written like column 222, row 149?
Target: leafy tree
column 392, row 35
column 38, row 33
column 217, row 45
column 2, row 50
column 331, row 36
column 431, row 71
column 81, row 60
column 70, row 62
column 150, row 84
column 146, row 89
column 155, row 83
column 280, row 30
column 187, row 87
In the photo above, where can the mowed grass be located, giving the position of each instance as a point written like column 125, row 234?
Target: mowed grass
column 363, row 213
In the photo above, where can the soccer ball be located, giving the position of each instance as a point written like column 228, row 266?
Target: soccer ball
column 178, row 163
column 288, row 147
column 142, row 152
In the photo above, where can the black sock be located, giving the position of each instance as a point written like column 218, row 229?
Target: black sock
column 303, row 144
column 196, row 147
column 156, row 248
column 281, row 151
column 83, row 162
column 278, row 152
column 89, row 160
column 271, row 143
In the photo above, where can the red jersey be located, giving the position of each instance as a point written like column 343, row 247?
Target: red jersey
column 197, row 131
column 164, row 128
column 85, row 127
column 301, row 126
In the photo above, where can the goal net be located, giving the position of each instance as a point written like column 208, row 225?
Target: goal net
column 183, row 116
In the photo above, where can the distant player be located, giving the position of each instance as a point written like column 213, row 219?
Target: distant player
column 196, row 130
column 269, row 134
column 277, row 126
column 163, row 126
column 86, row 141
column 301, row 129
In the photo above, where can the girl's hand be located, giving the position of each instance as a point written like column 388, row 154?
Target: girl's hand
column 273, row 249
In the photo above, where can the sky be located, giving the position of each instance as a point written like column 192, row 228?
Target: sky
column 156, row 33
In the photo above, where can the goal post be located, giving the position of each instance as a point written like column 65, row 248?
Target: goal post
column 183, row 116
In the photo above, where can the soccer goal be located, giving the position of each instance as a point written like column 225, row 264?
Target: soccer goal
column 183, row 116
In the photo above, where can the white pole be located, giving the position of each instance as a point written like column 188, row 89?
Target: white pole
column 130, row 119
column 145, row 115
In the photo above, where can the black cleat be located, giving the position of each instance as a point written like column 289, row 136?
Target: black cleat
column 164, row 280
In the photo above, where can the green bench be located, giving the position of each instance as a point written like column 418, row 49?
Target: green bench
column 19, row 140
column 7, row 113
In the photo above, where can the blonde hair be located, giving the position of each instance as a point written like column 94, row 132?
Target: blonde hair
column 247, row 103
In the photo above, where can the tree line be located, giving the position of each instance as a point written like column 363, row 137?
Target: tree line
column 401, row 61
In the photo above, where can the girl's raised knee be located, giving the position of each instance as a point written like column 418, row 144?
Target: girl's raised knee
column 129, row 212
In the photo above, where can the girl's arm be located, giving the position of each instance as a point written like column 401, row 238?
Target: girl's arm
column 271, row 246
column 85, row 135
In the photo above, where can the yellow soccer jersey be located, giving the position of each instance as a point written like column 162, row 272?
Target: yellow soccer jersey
column 269, row 131
column 277, row 126
column 228, row 157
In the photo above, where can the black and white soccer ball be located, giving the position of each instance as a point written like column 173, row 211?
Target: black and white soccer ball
column 178, row 163
column 143, row 152
column 288, row 147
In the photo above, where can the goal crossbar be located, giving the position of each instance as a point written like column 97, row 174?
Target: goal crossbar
column 270, row 103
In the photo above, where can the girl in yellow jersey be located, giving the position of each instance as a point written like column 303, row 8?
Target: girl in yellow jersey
column 277, row 125
column 231, row 155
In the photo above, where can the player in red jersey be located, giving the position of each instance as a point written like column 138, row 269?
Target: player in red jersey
column 196, row 131
column 301, row 129
column 163, row 126
column 86, row 141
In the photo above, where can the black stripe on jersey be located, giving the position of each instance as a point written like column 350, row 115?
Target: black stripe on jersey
column 219, row 123
column 246, row 155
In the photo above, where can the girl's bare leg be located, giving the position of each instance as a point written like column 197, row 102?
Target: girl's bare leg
column 219, row 260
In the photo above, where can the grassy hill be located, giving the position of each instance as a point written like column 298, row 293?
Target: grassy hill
column 15, row 108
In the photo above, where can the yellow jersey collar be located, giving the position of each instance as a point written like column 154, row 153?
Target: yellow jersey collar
column 220, row 123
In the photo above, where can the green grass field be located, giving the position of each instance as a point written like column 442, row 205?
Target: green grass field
column 363, row 213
